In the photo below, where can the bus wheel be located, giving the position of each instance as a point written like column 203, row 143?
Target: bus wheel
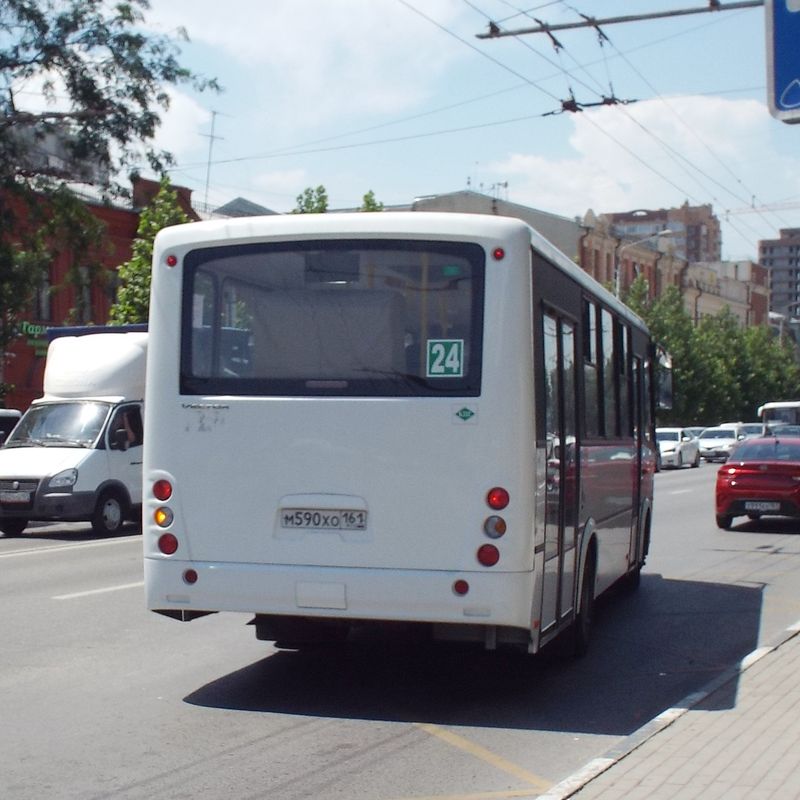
column 13, row 526
column 109, row 514
column 583, row 622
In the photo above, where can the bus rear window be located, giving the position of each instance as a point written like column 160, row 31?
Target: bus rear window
column 333, row 317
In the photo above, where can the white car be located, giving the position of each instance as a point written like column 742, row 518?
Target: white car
column 716, row 443
column 677, row 447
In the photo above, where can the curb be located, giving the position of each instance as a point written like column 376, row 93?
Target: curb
column 575, row 782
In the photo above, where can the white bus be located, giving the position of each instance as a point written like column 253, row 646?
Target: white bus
column 422, row 418
column 780, row 415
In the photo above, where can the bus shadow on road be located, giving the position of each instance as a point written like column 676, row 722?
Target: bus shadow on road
column 649, row 652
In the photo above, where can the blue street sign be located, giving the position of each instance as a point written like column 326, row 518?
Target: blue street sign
column 783, row 59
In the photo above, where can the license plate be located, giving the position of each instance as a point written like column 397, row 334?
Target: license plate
column 15, row 497
column 752, row 505
column 325, row 519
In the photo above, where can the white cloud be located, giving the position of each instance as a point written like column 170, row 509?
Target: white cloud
column 340, row 58
column 644, row 155
column 183, row 127
column 659, row 154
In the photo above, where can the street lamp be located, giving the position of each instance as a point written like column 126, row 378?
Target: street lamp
column 620, row 248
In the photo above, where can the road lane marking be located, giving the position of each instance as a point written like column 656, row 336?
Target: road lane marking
column 474, row 749
column 90, row 592
column 58, row 547
column 532, row 794
column 680, row 491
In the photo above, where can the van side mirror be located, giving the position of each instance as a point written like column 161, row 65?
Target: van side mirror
column 119, row 441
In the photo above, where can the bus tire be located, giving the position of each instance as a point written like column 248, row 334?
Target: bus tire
column 109, row 513
column 581, row 630
column 13, row 526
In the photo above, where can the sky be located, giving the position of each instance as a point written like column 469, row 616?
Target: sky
column 400, row 97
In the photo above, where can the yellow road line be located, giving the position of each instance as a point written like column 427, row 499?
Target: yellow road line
column 497, row 761
column 511, row 793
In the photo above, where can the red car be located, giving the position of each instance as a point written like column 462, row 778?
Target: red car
column 761, row 477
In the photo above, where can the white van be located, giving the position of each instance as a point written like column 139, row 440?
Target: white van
column 76, row 454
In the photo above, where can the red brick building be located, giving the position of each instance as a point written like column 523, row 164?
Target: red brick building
column 57, row 302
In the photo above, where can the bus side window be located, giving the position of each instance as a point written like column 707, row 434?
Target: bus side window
column 591, row 407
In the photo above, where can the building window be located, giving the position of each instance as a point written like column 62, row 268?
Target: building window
column 43, row 295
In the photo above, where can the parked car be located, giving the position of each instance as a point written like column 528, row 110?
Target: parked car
column 677, row 447
column 716, row 443
column 695, row 430
column 762, row 477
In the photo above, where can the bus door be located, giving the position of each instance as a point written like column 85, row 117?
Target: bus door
column 562, row 478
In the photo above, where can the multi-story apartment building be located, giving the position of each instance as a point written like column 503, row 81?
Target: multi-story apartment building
column 696, row 231
column 781, row 257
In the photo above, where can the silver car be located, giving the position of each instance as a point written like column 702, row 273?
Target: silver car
column 677, row 447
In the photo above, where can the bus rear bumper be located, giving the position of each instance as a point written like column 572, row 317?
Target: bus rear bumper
column 492, row 599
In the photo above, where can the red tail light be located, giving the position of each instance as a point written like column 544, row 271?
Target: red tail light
column 497, row 498
column 488, row 555
column 162, row 490
column 168, row 544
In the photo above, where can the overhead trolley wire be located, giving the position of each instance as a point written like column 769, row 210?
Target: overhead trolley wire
column 690, row 129
column 681, row 160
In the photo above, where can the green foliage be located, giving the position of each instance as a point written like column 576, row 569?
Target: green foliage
column 369, row 202
column 103, row 78
column 721, row 372
column 133, row 295
column 312, row 201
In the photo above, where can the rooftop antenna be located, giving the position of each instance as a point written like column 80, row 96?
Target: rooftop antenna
column 211, row 139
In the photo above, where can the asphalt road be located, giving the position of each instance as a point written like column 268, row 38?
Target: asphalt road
column 101, row 699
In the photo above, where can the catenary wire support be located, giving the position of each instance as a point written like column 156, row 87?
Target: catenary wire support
column 495, row 32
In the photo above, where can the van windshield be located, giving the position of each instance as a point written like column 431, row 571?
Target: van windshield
column 75, row 424
column 333, row 317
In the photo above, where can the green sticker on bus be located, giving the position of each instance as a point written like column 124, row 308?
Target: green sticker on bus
column 445, row 358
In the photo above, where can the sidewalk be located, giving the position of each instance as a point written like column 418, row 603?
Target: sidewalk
column 739, row 738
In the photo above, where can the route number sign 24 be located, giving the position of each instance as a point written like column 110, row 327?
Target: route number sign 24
column 445, row 358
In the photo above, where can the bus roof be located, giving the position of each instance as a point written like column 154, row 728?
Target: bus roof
column 430, row 224
column 775, row 404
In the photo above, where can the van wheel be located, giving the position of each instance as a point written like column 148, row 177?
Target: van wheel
column 13, row 526
column 582, row 626
column 109, row 514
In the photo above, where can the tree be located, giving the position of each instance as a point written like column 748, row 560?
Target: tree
column 132, row 304
column 312, row 201
column 721, row 371
column 103, row 80
column 369, row 202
